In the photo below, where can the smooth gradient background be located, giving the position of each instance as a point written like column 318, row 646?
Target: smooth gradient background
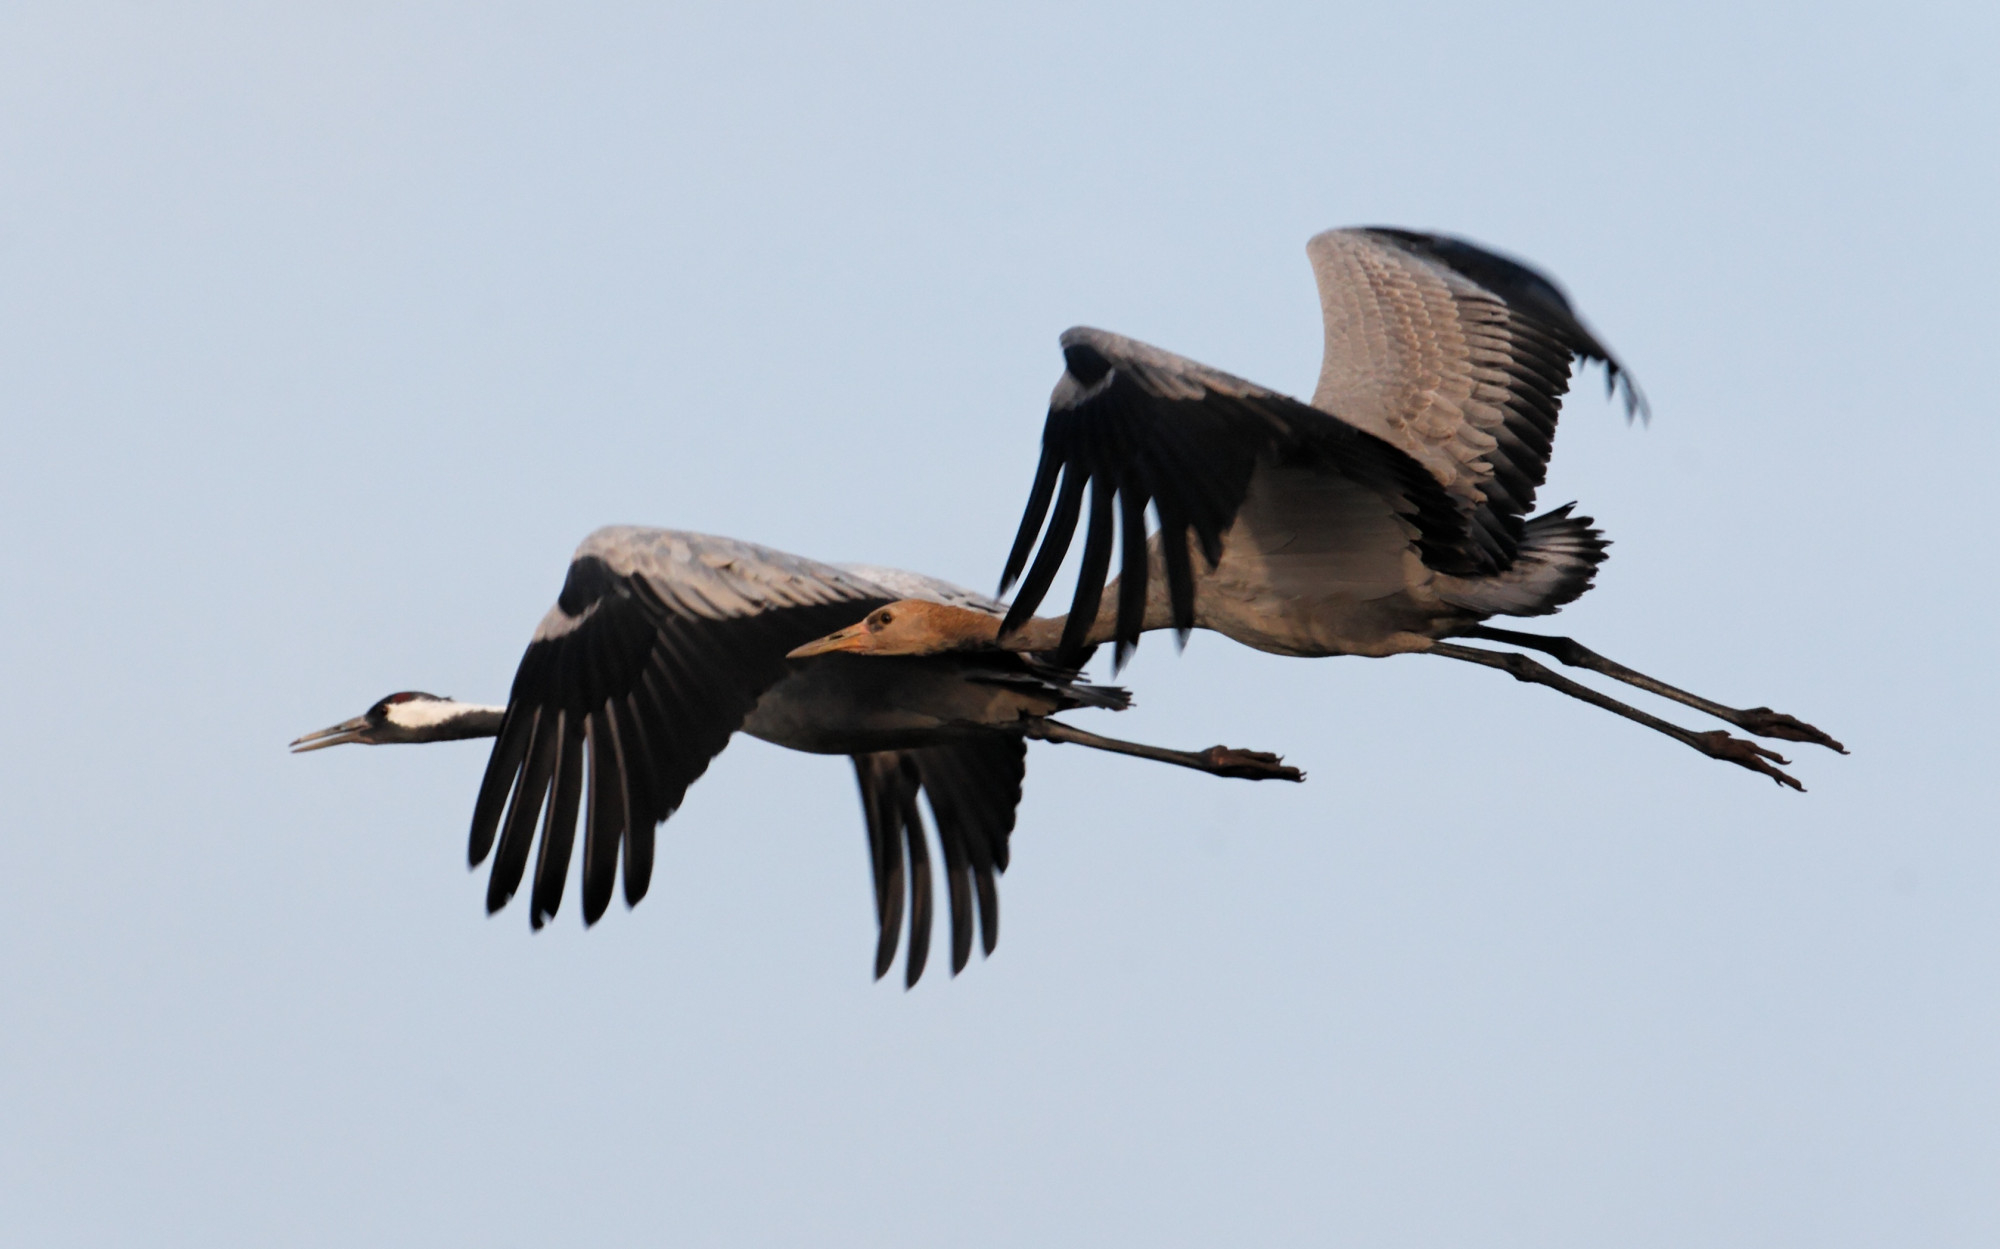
column 327, row 331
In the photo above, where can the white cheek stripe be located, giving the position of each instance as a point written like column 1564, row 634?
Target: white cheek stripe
column 423, row 713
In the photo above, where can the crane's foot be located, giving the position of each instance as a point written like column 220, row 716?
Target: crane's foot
column 1761, row 721
column 1248, row 765
column 1765, row 722
column 1717, row 744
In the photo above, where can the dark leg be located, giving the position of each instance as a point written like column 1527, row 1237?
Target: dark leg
column 1249, row 765
column 1762, row 721
column 1716, row 745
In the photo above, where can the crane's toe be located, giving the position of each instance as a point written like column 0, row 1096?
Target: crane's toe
column 1249, row 765
column 1765, row 722
column 1720, row 745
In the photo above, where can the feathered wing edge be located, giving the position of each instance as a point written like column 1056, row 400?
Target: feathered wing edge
column 974, row 790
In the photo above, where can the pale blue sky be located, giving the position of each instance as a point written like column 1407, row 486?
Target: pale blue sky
column 326, row 333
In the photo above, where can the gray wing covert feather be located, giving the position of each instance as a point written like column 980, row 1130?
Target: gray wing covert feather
column 1459, row 357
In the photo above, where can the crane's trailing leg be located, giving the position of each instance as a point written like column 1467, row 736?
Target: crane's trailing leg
column 1716, row 744
column 1762, row 721
column 1248, row 765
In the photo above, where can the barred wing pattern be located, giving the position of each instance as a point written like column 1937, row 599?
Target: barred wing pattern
column 1459, row 357
column 656, row 651
column 1140, row 426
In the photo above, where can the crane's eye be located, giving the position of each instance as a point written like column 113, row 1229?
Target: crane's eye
column 882, row 618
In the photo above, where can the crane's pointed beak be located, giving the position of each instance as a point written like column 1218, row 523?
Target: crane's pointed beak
column 849, row 639
column 340, row 734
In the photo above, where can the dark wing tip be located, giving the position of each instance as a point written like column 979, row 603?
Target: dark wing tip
column 1055, row 545
column 1636, row 403
column 1504, row 275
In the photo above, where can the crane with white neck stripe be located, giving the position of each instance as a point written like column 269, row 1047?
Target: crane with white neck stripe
column 664, row 644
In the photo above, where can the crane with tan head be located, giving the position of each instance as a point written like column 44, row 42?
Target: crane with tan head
column 1388, row 516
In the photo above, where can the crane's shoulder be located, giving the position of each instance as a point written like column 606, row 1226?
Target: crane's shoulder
column 1093, row 356
column 690, row 574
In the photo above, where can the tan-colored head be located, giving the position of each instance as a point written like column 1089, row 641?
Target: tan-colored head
column 911, row 626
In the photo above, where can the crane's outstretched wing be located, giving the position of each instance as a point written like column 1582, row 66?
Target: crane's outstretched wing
column 889, row 786
column 974, row 788
column 1141, row 426
column 654, row 654
column 1458, row 356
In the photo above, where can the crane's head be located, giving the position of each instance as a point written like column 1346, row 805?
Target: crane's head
column 911, row 626
column 411, row 716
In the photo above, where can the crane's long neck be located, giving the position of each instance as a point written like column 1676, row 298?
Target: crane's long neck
column 1044, row 633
